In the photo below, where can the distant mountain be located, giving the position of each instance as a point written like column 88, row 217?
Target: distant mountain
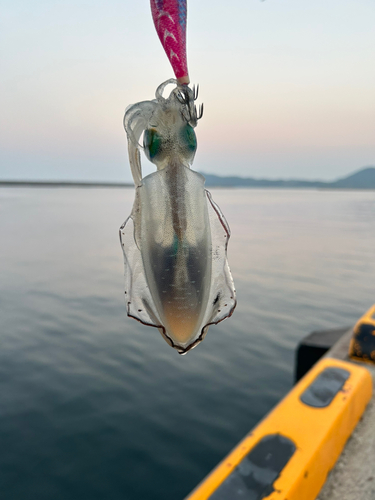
column 217, row 181
column 363, row 179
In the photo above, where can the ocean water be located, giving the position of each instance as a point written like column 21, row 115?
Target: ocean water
column 94, row 405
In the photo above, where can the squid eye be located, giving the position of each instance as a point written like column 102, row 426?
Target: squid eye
column 189, row 137
column 152, row 143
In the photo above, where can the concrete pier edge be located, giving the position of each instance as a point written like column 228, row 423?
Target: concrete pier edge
column 353, row 476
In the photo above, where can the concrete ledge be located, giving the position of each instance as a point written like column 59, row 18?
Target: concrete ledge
column 353, row 477
column 313, row 347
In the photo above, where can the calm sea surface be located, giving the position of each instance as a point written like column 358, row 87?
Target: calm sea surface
column 94, row 405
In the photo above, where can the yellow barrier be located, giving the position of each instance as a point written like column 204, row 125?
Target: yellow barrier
column 362, row 344
column 289, row 454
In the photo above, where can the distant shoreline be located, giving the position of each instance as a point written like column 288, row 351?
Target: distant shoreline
column 363, row 179
column 57, row 185
column 64, row 184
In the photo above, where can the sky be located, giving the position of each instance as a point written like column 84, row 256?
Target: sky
column 288, row 86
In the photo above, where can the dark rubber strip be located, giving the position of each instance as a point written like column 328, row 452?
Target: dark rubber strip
column 254, row 477
column 327, row 384
column 364, row 342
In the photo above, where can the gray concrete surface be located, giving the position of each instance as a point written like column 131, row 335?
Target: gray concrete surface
column 353, row 477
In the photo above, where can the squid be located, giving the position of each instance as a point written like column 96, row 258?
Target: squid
column 177, row 276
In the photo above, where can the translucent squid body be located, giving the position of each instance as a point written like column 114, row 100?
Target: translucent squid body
column 177, row 276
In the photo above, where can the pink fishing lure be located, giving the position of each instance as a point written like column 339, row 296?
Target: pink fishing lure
column 170, row 22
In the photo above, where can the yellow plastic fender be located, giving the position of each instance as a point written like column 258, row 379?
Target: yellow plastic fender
column 289, row 454
column 362, row 344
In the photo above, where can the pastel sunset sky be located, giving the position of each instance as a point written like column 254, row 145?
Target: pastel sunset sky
column 288, row 86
